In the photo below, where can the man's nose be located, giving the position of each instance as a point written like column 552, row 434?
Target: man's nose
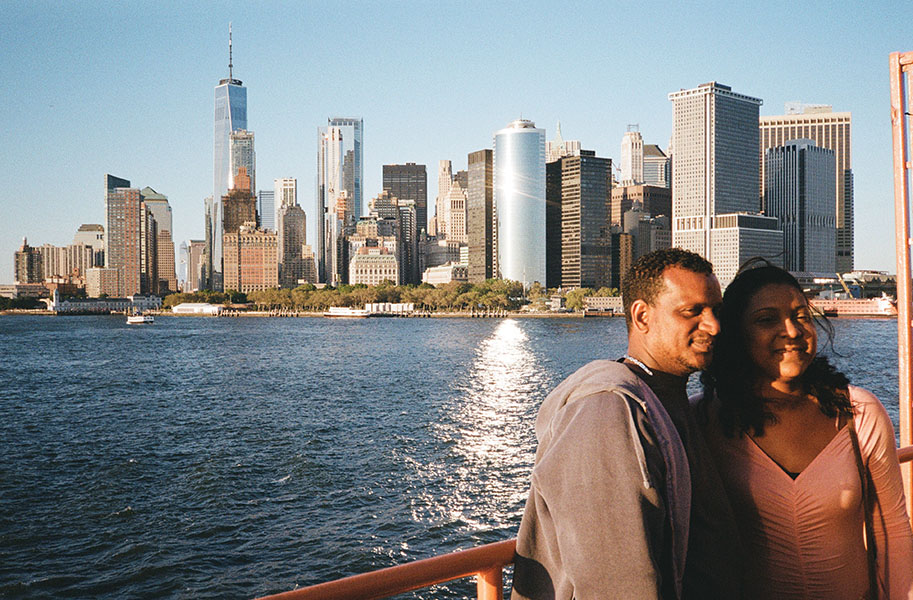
column 709, row 323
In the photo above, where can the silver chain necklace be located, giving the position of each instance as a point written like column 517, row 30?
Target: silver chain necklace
column 639, row 364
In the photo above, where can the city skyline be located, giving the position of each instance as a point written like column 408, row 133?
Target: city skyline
column 70, row 126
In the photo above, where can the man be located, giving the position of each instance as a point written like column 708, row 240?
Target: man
column 624, row 500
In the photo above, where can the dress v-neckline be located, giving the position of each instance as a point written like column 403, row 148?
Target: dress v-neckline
column 783, row 471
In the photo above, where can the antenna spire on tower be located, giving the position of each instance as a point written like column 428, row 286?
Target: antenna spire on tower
column 229, row 51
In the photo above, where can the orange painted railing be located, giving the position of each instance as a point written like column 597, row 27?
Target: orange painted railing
column 485, row 562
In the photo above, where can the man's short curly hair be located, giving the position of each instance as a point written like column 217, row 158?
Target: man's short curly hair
column 644, row 280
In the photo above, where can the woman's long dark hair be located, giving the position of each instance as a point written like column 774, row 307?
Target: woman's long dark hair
column 732, row 374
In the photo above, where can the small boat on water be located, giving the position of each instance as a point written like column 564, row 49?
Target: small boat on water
column 856, row 307
column 140, row 319
column 346, row 312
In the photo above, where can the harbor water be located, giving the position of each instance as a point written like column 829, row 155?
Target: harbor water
column 231, row 458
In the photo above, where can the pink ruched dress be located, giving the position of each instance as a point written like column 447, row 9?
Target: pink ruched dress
column 804, row 538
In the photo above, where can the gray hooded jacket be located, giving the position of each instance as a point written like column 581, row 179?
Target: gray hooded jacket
column 610, row 498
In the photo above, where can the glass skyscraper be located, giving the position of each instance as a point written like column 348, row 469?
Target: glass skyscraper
column 230, row 115
column 519, row 197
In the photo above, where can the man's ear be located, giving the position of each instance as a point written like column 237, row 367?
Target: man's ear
column 640, row 316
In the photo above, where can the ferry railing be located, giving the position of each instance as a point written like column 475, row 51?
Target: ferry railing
column 486, row 563
column 901, row 65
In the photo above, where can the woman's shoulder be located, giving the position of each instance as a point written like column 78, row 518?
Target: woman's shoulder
column 870, row 413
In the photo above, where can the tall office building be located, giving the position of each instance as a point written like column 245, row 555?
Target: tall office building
column 239, row 205
column 251, row 259
column 266, row 208
column 519, row 197
column 339, row 189
column 456, row 209
column 559, row 147
column 230, row 115
column 480, row 216
column 28, row 264
column 581, row 186
column 194, row 265
column 632, row 157
column 800, row 191
column 714, row 176
column 657, row 167
column 656, row 201
column 292, row 238
column 442, row 202
column 830, row 130
column 158, row 205
column 124, row 225
column 409, row 182
column 241, row 150
column 92, row 234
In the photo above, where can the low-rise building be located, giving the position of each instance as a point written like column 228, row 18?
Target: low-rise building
column 446, row 273
column 372, row 265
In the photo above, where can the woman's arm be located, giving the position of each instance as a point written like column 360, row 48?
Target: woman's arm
column 893, row 536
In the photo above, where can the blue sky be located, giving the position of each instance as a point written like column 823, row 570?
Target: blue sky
column 126, row 88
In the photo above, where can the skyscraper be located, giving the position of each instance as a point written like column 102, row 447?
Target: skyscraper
column 582, row 187
column 480, row 216
column 559, row 147
column 830, row 130
column 339, row 189
column 266, row 208
column 239, row 205
column 714, row 177
column 241, row 149
column 158, row 205
column 409, row 182
column 230, row 115
column 799, row 190
column 124, row 216
column 456, row 208
column 442, row 202
column 632, row 157
column 285, row 194
column 519, row 197
column 657, row 167
column 292, row 238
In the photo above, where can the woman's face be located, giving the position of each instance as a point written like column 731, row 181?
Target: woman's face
column 780, row 334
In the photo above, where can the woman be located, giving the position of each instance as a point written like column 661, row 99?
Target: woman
column 781, row 424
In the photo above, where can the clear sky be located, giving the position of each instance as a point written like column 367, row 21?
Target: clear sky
column 126, row 88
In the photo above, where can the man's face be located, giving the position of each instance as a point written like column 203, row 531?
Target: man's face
column 682, row 321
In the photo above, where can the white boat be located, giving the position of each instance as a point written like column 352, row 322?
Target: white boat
column 346, row 312
column 140, row 319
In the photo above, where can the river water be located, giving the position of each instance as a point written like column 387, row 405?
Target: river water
column 231, row 458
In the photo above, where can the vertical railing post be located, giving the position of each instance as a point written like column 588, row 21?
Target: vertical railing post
column 900, row 65
column 489, row 584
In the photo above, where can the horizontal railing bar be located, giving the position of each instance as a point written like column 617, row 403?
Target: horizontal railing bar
column 410, row 576
column 430, row 571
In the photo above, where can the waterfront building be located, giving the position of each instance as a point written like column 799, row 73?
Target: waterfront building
column 239, row 205
column 480, row 216
column 653, row 199
column 830, row 130
column 519, row 197
column 580, row 187
column 374, row 265
column 266, row 208
column 251, row 259
column 714, row 177
column 158, row 205
column 292, row 239
column 28, row 264
column 125, row 224
column 657, row 167
column 103, row 280
column 632, row 157
column 800, row 191
column 445, row 273
column 241, row 149
column 230, row 115
column 92, row 234
column 559, row 147
column 409, row 182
